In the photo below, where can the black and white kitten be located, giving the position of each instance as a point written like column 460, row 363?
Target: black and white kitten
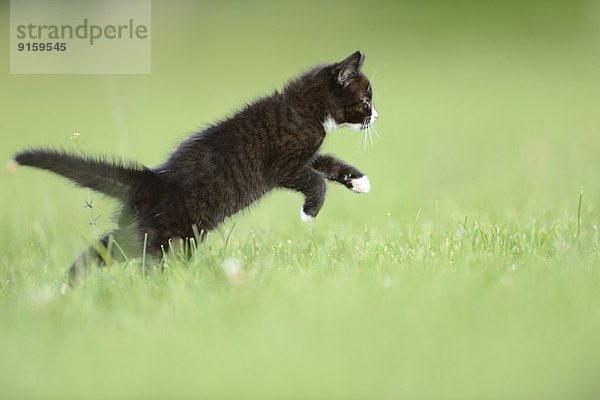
column 272, row 143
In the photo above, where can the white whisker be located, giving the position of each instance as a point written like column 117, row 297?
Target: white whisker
column 377, row 70
column 376, row 132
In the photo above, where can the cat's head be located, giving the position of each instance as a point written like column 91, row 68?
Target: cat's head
column 350, row 96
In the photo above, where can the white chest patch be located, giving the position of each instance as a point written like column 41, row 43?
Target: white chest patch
column 330, row 125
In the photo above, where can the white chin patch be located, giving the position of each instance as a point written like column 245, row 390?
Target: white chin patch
column 330, row 125
column 305, row 217
column 374, row 115
column 361, row 185
column 354, row 127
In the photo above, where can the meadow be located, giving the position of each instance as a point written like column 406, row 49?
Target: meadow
column 470, row 271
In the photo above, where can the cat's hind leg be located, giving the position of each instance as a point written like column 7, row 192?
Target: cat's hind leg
column 108, row 249
column 95, row 255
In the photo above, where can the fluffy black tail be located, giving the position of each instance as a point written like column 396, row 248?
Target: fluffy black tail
column 115, row 179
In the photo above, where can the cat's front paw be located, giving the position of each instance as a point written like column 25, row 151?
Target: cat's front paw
column 360, row 185
column 304, row 216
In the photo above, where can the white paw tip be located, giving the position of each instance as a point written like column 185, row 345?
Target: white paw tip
column 361, row 185
column 305, row 217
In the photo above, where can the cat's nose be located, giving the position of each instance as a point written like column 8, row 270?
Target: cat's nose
column 375, row 113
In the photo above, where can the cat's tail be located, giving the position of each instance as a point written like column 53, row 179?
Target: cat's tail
column 113, row 178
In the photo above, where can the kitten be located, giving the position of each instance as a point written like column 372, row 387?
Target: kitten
column 272, row 143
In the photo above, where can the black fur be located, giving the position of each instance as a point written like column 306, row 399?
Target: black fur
column 113, row 178
column 271, row 143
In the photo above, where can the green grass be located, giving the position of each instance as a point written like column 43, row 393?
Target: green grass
column 471, row 270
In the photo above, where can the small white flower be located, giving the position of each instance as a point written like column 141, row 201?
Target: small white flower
column 387, row 282
column 40, row 297
column 11, row 167
column 233, row 271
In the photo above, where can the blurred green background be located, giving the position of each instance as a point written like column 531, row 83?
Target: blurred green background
column 481, row 103
column 488, row 110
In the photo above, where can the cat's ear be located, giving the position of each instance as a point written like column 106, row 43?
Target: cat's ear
column 347, row 69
